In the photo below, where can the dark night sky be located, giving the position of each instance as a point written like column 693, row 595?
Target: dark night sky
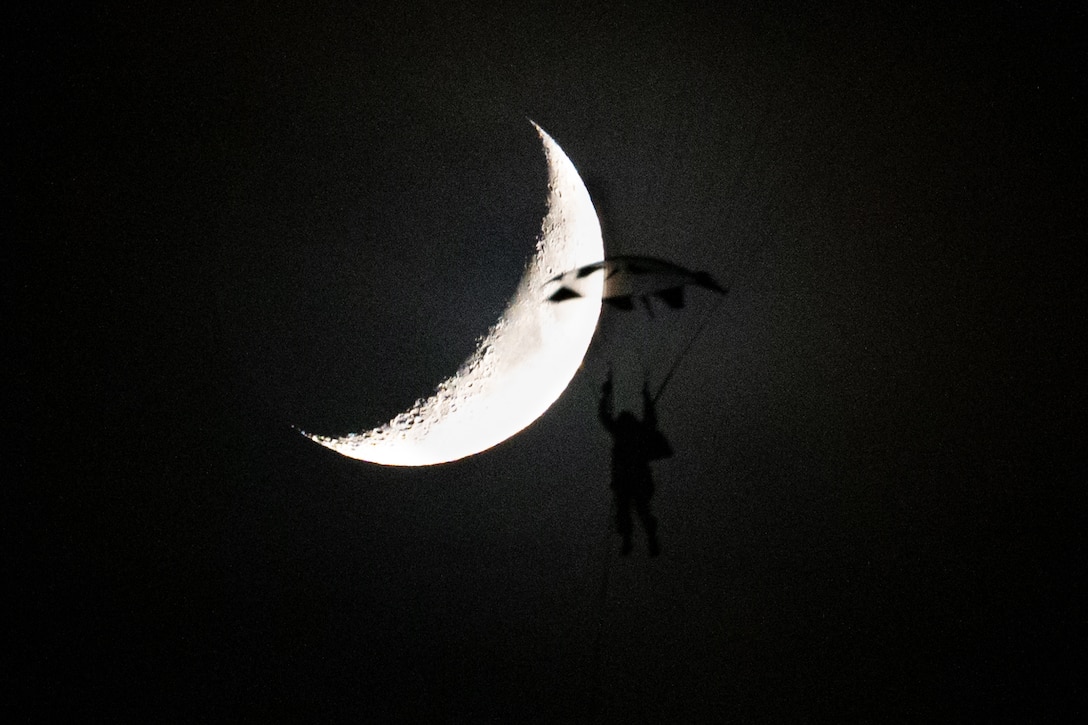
column 227, row 223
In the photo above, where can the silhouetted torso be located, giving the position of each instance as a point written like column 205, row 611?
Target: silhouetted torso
column 634, row 444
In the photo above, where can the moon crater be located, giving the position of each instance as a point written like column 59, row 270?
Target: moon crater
column 524, row 362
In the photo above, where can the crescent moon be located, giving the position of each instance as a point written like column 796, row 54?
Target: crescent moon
column 524, row 362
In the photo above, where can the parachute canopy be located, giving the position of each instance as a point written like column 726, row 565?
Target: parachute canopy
column 643, row 345
column 629, row 277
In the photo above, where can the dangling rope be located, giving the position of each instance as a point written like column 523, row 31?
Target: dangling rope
column 602, row 601
column 695, row 336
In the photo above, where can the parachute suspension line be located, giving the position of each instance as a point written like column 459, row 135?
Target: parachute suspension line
column 691, row 341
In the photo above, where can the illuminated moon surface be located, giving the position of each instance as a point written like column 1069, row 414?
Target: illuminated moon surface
column 523, row 363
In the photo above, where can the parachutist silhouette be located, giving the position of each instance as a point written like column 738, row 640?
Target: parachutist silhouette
column 634, row 444
column 622, row 281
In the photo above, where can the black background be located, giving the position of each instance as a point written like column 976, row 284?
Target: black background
column 224, row 223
